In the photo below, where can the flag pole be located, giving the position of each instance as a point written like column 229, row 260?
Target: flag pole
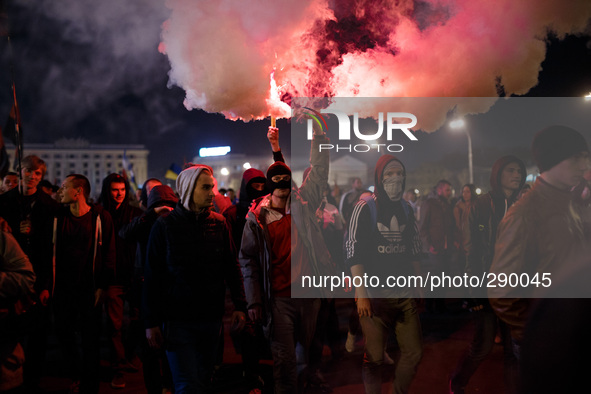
column 17, row 116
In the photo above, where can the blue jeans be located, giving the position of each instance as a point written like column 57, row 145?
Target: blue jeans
column 191, row 349
column 399, row 314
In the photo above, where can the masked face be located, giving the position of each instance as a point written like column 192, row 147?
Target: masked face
column 281, row 185
column 392, row 181
column 278, row 177
column 255, row 190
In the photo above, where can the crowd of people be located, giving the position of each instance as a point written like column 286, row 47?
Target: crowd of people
column 164, row 265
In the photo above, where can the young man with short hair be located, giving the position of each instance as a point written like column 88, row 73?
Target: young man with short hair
column 84, row 267
column 30, row 216
column 9, row 182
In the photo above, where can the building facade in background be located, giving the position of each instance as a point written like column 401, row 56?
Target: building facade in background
column 95, row 161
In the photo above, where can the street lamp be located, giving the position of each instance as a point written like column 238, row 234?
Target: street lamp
column 459, row 124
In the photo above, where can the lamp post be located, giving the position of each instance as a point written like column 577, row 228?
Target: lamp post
column 459, row 124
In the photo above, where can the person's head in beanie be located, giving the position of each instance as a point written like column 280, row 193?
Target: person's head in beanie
column 562, row 156
column 279, row 180
column 195, row 188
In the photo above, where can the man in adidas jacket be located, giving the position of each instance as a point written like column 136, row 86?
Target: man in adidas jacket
column 383, row 241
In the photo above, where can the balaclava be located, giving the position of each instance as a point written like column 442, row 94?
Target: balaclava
column 278, row 168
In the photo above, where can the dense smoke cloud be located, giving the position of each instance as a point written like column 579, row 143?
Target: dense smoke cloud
column 222, row 53
column 88, row 66
column 85, row 68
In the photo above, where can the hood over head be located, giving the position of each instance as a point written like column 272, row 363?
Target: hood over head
column 278, row 168
column 144, row 192
column 186, row 181
column 247, row 192
column 497, row 169
column 381, row 165
column 162, row 195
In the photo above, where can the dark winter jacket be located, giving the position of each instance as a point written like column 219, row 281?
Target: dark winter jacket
column 190, row 260
column 138, row 229
column 125, row 250
column 236, row 214
column 38, row 244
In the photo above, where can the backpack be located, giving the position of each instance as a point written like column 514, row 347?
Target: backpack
column 373, row 210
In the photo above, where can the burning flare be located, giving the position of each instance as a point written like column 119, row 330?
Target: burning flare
column 277, row 108
column 220, row 52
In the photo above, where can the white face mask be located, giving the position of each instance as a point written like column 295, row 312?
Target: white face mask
column 393, row 187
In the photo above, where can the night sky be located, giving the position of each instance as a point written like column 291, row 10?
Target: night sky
column 78, row 79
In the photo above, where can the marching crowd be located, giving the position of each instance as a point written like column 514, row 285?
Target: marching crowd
column 162, row 265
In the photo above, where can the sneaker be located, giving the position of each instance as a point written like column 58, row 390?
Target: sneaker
column 118, row 381
column 350, row 343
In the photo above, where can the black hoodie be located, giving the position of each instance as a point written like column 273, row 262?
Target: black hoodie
column 236, row 214
column 501, row 202
column 485, row 216
column 121, row 216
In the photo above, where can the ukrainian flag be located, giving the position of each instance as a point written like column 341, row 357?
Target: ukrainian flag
column 173, row 172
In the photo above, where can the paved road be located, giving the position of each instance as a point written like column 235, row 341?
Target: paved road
column 446, row 336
